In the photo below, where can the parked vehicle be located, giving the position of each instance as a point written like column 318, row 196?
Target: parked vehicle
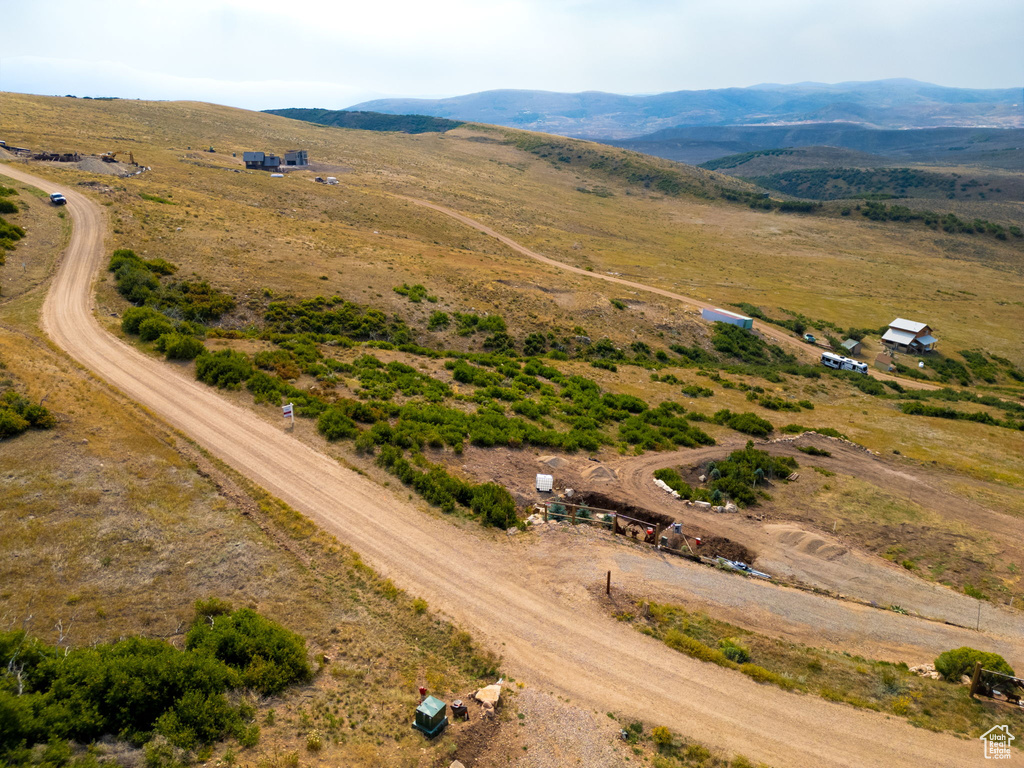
column 810, row 339
column 840, row 363
column 58, row 199
column 738, row 565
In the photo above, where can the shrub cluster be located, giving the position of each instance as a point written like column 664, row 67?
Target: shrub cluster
column 18, row 414
column 491, row 502
column 748, row 423
column 138, row 281
column 954, row 664
column 138, row 688
column 739, row 344
column 948, row 222
column 9, row 233
column 415, row 293
column 336, row 317
column 738, row 476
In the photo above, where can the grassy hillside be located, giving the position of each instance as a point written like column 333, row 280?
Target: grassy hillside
column 385, row 268
column 368, row 121
column 990, row 147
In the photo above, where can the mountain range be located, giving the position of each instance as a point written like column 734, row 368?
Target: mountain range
column 889, row 104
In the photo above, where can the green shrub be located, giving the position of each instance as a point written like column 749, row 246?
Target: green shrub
column 438, row 321
column 748, row 423
column 811, row 450
column 691, row 647
column 495, row 504
column 11, row 423
column 178, row 346
column 152, row 328
column 334, row 424
column 954, row 664
column 225, row 369
column 133, row 318
column 268, row 656
column 18, row 414
column 674, row 480
column 733, row 651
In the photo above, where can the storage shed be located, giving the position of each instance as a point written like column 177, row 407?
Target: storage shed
column 431, row 717
column 852, row 346
column 725, row 316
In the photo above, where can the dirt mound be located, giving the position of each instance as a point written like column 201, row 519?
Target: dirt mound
column 95, row 165
column 555, row 462
column 810, row 544
column 716, row 546
column 600, row 474
column 601, row 501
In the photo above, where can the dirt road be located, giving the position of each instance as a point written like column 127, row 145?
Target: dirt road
column 555, row 639
column 801, row 349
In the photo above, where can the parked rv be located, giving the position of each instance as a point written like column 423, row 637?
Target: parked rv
column 840, row 363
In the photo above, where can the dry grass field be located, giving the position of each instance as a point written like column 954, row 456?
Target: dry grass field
column 115, row 526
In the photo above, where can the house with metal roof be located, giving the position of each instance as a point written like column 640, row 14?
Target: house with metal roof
column 261, row 161
column 909, row 336
column 852, row 346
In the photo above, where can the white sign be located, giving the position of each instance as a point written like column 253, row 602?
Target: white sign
column 997, row 742
column 288, row 414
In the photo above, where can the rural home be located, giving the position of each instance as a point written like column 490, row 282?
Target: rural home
column 908, row 336
column 261, row 161
column 296, row 157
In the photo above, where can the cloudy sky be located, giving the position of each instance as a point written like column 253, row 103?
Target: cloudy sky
column 260, row 54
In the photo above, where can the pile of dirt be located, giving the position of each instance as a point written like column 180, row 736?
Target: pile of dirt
column 555, row 462
column 95, row 165
column 601, row 501
column 600, row 474
column 717, row 546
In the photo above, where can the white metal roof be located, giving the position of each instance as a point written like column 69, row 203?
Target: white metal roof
column 898, row 337
column 907, row 325
column 926, row 340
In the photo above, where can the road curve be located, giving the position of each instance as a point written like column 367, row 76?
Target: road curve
column 799, row 347
column 547, row 639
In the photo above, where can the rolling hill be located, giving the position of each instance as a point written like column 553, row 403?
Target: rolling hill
column 895, row 104
column 420, row 317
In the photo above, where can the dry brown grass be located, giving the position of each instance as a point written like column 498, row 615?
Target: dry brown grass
column 122, row 534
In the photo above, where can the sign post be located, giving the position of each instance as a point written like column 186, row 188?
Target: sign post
column 288, row 411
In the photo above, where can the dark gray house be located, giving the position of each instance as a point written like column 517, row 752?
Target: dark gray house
column 296, row 157
column 261, row 161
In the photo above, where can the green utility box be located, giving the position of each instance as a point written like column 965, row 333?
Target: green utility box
column 431, row 717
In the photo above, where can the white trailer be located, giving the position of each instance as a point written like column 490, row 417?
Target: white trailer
column 840, row 363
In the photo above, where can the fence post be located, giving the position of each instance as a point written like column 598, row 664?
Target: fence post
column 545, row 513
column 608, row 585
column 573, row 514
column 976, row 678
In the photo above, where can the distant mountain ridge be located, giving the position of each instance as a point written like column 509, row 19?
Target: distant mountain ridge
column 893, row 104
column 998, row 147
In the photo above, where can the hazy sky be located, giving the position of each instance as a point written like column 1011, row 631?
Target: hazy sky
column 334, row 53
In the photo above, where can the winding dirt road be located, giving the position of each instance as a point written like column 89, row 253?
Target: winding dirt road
column 798, row 347
column 551, row 638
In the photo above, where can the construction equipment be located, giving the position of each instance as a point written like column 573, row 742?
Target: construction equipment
column 109, row 157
